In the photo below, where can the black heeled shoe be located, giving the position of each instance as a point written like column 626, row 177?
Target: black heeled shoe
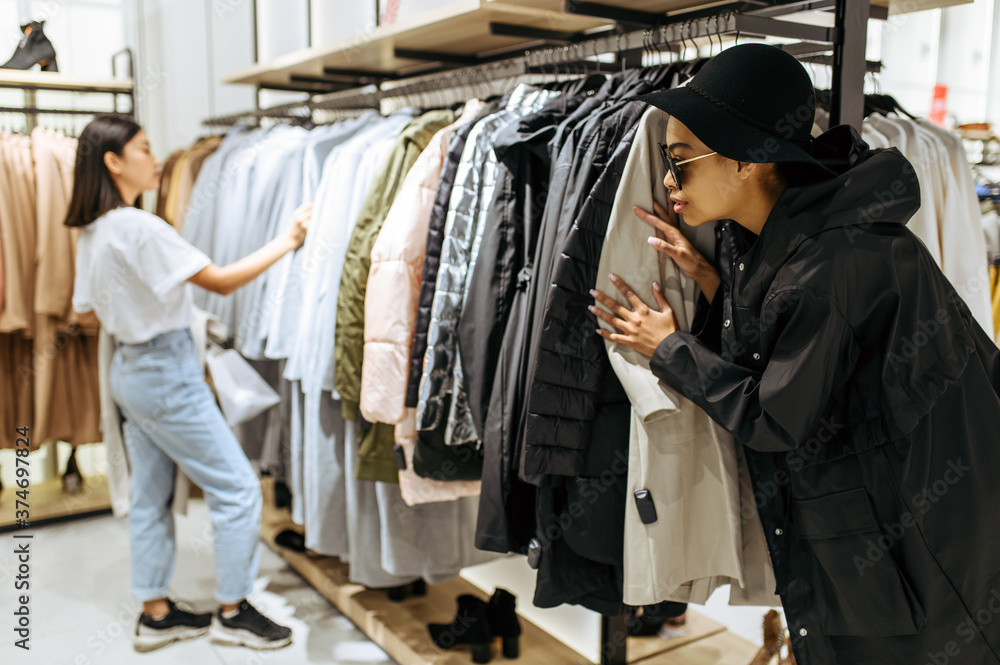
column 471, row 628
column 33, row 49
column 502, row 615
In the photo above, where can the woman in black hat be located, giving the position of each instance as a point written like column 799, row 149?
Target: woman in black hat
column 831, row 345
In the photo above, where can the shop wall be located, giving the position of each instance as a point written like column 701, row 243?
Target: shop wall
column 85, row 34
column 957, row 47
column 184, row 47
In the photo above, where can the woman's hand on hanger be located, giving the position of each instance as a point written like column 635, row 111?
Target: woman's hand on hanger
column 640, row 327
column 300, row 224
column 688, row 259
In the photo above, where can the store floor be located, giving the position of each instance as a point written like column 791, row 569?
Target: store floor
column 81, row 613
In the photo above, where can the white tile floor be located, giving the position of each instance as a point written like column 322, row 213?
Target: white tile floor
column 82, row 615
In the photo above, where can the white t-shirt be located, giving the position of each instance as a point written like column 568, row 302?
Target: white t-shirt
column 132, row 270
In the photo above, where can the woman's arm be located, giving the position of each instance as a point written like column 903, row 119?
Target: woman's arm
column 774, row 408
column 226, row 279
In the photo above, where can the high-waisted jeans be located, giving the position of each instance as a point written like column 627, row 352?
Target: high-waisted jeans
column 172, row 421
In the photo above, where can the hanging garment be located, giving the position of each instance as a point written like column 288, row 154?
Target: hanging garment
column 863, row 390
column 278, row 178
column 335, row 212
column 346, row 179
column 166, row 176
column 397, row 264
column 185, row 176
column 947, row 220
column 512, row 225
column 507, row 503
column 690, row 468
column 397, row 259
column 377, row 461
column 559, row 406
column 289, row 274
column 432, row 258
column 473, row 189
column 961, row 234
column 65, row 368
column 17, row 225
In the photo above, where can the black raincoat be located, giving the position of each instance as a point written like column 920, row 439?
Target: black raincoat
column 867, row 398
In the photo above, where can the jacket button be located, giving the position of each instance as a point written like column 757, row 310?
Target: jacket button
column 803, row 632
column 778, row 532
column 725, row 324
column 756, row 356
column 741, row 266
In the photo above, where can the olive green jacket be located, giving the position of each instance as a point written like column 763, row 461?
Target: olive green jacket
column 375, row 456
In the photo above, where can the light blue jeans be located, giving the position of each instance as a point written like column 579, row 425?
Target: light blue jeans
column 172, row 421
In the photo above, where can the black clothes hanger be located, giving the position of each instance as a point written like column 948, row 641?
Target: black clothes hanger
column 885, row 104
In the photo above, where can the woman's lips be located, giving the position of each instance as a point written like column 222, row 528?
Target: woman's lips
column 679, row 206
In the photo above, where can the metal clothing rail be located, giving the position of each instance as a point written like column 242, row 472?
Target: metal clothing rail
column 846, row 39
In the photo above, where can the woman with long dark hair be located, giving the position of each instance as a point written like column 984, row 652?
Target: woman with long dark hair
column 133, row 272
column 830, row 344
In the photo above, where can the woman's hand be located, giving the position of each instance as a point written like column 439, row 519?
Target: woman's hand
column 300, row 224
column 688, row 259
column 641, row 328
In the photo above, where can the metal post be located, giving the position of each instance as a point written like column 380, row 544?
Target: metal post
column 614, row 633
column 849, row 63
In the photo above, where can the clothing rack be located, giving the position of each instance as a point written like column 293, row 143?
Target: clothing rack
column 52, row 504
column 846, row 39
column 637, row 36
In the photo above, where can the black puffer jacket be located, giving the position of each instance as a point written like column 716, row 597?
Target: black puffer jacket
column 868, row 400
column 567, row 369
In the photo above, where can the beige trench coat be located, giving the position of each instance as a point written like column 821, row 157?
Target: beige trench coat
column 694, row 470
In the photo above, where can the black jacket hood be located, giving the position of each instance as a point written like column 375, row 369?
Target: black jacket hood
column 875, row 187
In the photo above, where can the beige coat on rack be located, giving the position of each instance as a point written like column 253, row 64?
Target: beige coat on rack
column 17, row 212
column 707, row 532
column 65, row 360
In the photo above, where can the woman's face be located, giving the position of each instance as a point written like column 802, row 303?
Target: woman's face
column 137, row 169
column 708, row 185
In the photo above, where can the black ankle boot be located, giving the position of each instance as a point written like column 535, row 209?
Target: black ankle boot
column 504, row 623
column 34, row 49
column 72, row 479
column 471, row 627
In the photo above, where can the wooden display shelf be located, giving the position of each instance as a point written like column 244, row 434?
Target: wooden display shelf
column 56, row 81
column 723, row 648
column 47, row 501
column 651, row 6
column 460, row 29
column 401, row 628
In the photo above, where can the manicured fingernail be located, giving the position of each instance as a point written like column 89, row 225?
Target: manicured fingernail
column 593, row 293
column 656, row 286
column 652, row 241
column 592, row 308
column 613, row 278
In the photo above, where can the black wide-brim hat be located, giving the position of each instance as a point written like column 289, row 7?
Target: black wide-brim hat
column 751, row 103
